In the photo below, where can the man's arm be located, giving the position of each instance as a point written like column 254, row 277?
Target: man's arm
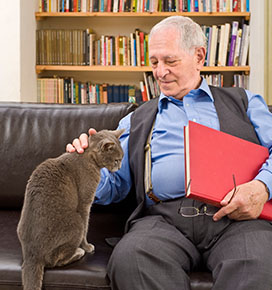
column 113, row 187
column 248, row 200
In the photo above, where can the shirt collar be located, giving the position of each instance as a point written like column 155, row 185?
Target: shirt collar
column 203, row 88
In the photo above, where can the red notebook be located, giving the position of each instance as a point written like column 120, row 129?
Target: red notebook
column 213, row 157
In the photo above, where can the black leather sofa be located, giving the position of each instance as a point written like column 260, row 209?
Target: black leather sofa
column 29, row 134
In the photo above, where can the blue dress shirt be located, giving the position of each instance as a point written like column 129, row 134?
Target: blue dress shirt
column 167, row 150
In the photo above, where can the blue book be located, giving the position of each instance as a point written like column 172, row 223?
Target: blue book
column 189, row 6
column 97, row 94
column 116, row 94
column 123, row 93
column 135, row 52
column 110, row 93
column 247, row 6
column 126, row 93
column 102, row 6
column 196, row 6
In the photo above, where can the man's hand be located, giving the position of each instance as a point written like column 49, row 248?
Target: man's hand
column 244, row 204
column 81, row 143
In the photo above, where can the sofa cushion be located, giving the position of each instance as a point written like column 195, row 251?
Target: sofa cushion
column 87, row 273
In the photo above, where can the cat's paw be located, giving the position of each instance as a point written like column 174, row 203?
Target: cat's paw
column 89, row 248
column 79, row 253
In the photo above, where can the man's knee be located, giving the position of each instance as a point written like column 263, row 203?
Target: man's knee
column 123, row 257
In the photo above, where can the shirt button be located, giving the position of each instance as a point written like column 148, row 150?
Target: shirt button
column 187, row 105
column 194, row 120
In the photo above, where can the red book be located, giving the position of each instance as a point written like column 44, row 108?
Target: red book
column 142, row 52
column 213, row 157
column 143, row 91
column 75, row 7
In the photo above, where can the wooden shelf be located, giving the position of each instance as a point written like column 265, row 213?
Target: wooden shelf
column 41, row 15
column 97, row 68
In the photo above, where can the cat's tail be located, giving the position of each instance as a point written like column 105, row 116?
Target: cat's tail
column 32, row 275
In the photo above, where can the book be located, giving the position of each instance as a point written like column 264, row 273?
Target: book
column 213, row 45
column 244, row 45
column 234, row 31
column 213, row 158
column 143, row 91
column 237, row 47
column 225, row 44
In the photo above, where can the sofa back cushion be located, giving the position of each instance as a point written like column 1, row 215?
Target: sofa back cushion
column 31, row 133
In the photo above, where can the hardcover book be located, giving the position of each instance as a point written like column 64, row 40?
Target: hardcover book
column 214, row 158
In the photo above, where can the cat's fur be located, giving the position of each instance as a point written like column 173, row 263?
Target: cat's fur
column 55, row 215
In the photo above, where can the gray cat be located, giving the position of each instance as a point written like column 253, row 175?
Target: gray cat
column 55, row 215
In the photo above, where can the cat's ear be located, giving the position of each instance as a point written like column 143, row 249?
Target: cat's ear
column 118, row 133
column 106, row 145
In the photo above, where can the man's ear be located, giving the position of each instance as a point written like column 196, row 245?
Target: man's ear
column 200, row 53
column 118, row 133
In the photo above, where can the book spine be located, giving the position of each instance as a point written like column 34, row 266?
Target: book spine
column 237, row 47
column 142, row 52
column 146, row 86
column 244, row 45
column 143, row 91
column 225, row 44
column 213, row 45
column 235, row 25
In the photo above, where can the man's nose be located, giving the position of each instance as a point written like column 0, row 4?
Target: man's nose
column 162, row 70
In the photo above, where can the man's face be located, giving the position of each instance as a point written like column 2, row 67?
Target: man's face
column 176, row 71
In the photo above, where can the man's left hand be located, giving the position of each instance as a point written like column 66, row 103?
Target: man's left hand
column 245, row 203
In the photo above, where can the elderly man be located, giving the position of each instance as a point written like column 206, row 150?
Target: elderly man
column 161, row 246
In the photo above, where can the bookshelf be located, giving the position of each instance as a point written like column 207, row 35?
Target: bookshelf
column 98, row 68
column 41, row 15
column 113, row 23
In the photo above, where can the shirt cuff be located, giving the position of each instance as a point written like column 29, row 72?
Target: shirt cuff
column 266, row 177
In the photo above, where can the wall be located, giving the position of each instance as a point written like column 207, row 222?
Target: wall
column 10, row 51
column 257, row 47
column 17, row 51
column 28, row 91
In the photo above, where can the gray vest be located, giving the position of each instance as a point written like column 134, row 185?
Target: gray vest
column 231, row 106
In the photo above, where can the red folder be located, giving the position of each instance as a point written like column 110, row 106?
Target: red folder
column 213, row 157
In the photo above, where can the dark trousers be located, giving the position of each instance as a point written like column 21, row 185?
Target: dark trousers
column 162, row 247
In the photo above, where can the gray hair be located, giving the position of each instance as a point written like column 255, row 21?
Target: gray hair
column 190, row 33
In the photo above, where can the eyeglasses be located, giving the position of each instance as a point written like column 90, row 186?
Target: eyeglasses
column 191, row 211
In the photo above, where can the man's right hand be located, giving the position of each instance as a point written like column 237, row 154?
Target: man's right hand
column 80, row 143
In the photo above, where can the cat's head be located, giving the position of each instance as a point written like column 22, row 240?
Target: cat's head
column 106, row 145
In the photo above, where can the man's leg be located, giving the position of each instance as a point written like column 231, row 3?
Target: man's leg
column 242, row 257
column 152, row 255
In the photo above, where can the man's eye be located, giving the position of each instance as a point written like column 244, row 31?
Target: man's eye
column 154, row 63
column 171, row 62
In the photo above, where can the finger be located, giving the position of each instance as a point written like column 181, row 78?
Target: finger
column 224, row 211
column 228, row 197
column 92, row 131
column 76, row 143
column 70, row 148
column 83, row 139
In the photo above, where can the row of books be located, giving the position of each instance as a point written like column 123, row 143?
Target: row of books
column 228, row 44
column 143, row 5
column 68, row 90
column 217, row 80
column 80, row 47
column 241, row 80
